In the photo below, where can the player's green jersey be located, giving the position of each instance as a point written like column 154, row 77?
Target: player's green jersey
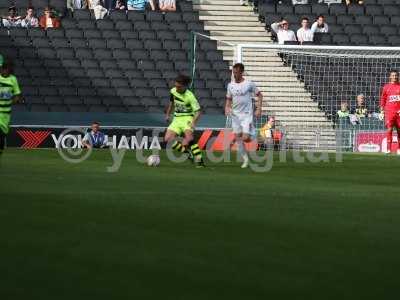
column 8, row 89
column 185, row 104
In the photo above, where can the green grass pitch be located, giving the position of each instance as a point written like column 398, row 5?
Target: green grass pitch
column 300, row 231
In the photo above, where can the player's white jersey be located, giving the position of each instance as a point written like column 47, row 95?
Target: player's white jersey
column 242, row 96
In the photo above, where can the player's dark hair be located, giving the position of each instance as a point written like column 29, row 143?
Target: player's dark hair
column 30, row 7
column 7, row 64
column 96, row 123
column 394, row 71
column 239, row 66
column 12, row 8
column 321, row 16
column 183, row 79
column 305, row 19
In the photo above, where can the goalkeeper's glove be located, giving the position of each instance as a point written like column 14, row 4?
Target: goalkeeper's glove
column 382, row 115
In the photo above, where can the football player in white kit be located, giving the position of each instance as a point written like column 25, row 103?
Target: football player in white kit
column 239, row 106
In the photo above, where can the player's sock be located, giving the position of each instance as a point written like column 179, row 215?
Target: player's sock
column 389, row 138
column 398, row 139
column 179, row 147
column 196, row 152
column 243, row 153
column 241, row 149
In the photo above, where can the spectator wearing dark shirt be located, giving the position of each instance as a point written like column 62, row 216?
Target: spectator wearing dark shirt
column 12, row 20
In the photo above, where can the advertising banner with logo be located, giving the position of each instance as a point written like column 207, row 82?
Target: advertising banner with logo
column 374, row 141
column 118, row 138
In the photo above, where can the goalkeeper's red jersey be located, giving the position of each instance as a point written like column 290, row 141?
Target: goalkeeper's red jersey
column 390, row 97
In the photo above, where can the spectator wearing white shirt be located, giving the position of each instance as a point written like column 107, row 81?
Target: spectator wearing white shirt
column 30, row 20
column 283, row 32
column 320, row 26
column 304, row 34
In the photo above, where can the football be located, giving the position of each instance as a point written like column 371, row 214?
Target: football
column 153, row 160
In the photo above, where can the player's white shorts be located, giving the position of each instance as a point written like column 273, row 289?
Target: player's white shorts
column 243, row 124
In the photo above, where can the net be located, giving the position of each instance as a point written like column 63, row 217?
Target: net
column 323, row 98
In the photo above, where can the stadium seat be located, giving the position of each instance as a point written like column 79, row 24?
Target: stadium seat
column 105, row 24
column 81, row 14
column 388, row 30
column 355, row 10
column 377, row 40
column 353, row 29
column 335, row 29
column 371, row 30
column 92, row 34
column 374, row 10
column 135, row 16
column 283, row 9
column 337, row 9
column 363, row 20
column 340, row 39
column 345, row 19
column 110, row 34
column 359, row 39
column 394, row 40
column 381, row 20
column 391, row 10
column 78, row 43
column 147, row 35
column 118, row 15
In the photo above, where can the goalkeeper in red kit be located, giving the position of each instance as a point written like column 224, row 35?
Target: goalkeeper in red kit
column 390, row 108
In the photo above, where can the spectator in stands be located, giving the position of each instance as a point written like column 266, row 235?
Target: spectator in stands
column 120, row 5
column 94, row 138
column 30, row 20
column 344, row 110
column 99, row 10
column 320, row 26
column 283, row 32
column 76, row 4
column 348, row 2
column 12, row 20
column 140, row 4
column 304, row 33
column 361, row 110
column 48, row 21
column 167, row 5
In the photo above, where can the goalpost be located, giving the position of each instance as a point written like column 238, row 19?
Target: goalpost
column 306, row 88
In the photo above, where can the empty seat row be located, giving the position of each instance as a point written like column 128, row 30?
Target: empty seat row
column 188, row 16
column 359, row 39
column 294, row 20
column 333, row 9
column 128, row 25
column 101, row 108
